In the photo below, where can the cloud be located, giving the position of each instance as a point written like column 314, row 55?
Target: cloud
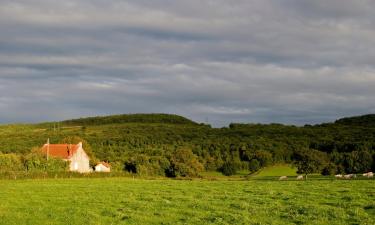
column 244, row 61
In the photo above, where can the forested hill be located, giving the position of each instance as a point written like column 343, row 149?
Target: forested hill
column 130, row 118
column 170, row 144
column 365, row 121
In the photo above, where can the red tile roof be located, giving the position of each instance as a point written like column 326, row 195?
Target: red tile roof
column 64, row 151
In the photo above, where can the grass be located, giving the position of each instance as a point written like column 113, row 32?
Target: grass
column 137, row 201
column 277, row 171
column 215, row 175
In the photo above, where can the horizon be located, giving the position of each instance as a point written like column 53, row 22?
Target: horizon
column 216, row 62
column 199, row 122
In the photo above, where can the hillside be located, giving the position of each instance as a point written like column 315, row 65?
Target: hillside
column 365, row 121
column 129, row 118
column 154, row 143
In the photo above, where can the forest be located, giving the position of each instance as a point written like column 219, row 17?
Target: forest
column 174, row 146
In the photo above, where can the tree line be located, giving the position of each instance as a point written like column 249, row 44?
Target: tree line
column 170, row 145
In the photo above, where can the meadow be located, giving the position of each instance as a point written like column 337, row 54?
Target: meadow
column 168, row 201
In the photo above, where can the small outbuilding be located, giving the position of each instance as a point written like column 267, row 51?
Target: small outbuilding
column 103, row 167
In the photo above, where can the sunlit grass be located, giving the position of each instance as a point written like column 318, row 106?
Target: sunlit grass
column 277, row 170
column 136, row 201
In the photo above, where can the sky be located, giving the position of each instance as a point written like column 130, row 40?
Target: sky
column 216, row 61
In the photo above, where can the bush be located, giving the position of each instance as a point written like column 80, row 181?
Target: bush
column 147, row 165
column 254, row 165
column 184, row 164
column 309, row 161
column 330, row 169
column 229, row 168
column 10, row 162
column 264, row 157
column 39, row 162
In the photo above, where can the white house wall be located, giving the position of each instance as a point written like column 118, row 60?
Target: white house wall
column 80, row 162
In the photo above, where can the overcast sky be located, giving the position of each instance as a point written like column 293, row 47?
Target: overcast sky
column 282, row 61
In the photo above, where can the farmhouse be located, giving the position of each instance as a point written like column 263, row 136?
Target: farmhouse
column 103, row 167
column 79, row 160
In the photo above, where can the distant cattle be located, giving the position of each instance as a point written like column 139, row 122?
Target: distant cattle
column 283, row 178
column 368, row 175
column 300, row 177
column 349, row 176
column 338, row 176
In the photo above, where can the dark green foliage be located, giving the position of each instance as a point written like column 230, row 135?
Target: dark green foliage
column 365, row 120
column 10, row 162
column 309, row 161
column 147, row 165
column 35, row 162
column 130, row 167
column 254, row 165
column 183, row 163
column 357, row 162
column 229, row 168
column 129, row 118
column 146, row 143
column 329, row 169
column 31, row 162
column 264, row 157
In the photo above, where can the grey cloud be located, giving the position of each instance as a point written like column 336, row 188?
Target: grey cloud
column 256, row 61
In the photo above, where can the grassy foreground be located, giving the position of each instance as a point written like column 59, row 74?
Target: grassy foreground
column 128, row 201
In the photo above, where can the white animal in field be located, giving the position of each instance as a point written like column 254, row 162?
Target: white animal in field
column 338, row 175
column 300, row 177
column 368, row 175
column 349, row 176
column 283, row 178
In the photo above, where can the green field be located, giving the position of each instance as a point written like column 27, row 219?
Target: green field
column 277, row 171
column 137, row 201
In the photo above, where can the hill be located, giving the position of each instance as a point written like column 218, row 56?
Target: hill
column 130, row 118
column 160, row 144
column 365, row 121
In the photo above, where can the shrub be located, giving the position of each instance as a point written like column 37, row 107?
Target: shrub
column 229, row 168
column 329, row 169
column 254, row 165
column 184, row 164
column 10, row 162
column 39, row 162
column 309, row 161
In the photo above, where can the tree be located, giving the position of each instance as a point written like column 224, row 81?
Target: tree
column 309, row 161
column 254, row 165
column 357, row 162
column 229, row 168
column 10, row 162
column 264, row 157
column 183, row 163
column 329, row 169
